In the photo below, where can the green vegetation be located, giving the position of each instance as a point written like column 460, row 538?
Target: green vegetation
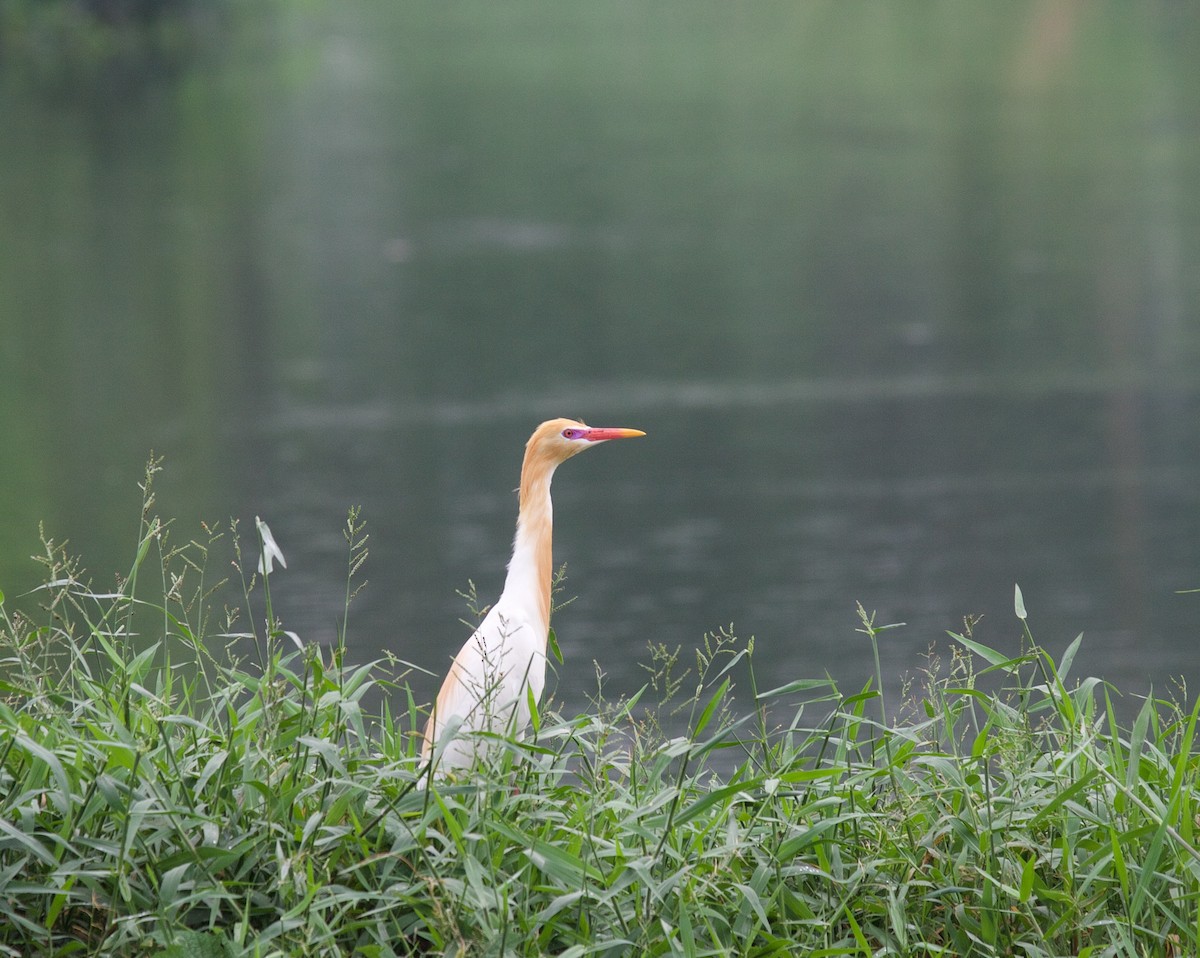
column 74, row 45
column 157, row 798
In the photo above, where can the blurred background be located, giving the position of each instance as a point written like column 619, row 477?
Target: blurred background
column 906, row 297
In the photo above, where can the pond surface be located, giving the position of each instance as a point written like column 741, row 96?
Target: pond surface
column 906, row 298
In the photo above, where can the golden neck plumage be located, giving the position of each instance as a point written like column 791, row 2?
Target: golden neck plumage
column 533, row 552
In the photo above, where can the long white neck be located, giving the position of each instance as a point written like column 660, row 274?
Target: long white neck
column 532, row 565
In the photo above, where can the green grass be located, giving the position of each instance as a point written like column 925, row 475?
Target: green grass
column 158, row 797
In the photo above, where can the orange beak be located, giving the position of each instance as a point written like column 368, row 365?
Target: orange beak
column 603, row 434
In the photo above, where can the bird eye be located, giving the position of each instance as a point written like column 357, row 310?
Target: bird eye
column 570, row 433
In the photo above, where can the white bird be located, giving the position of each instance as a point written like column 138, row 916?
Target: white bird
column 504, row 661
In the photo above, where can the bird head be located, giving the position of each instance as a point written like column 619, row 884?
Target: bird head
column 557, row 440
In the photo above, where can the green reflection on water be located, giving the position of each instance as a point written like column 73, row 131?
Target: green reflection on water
column 335, row 235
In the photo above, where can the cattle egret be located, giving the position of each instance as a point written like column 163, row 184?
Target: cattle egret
column 504, row 661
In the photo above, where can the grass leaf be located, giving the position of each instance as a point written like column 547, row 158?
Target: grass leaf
column 989, row 655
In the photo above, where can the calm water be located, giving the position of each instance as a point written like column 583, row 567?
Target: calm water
column 906, row 298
